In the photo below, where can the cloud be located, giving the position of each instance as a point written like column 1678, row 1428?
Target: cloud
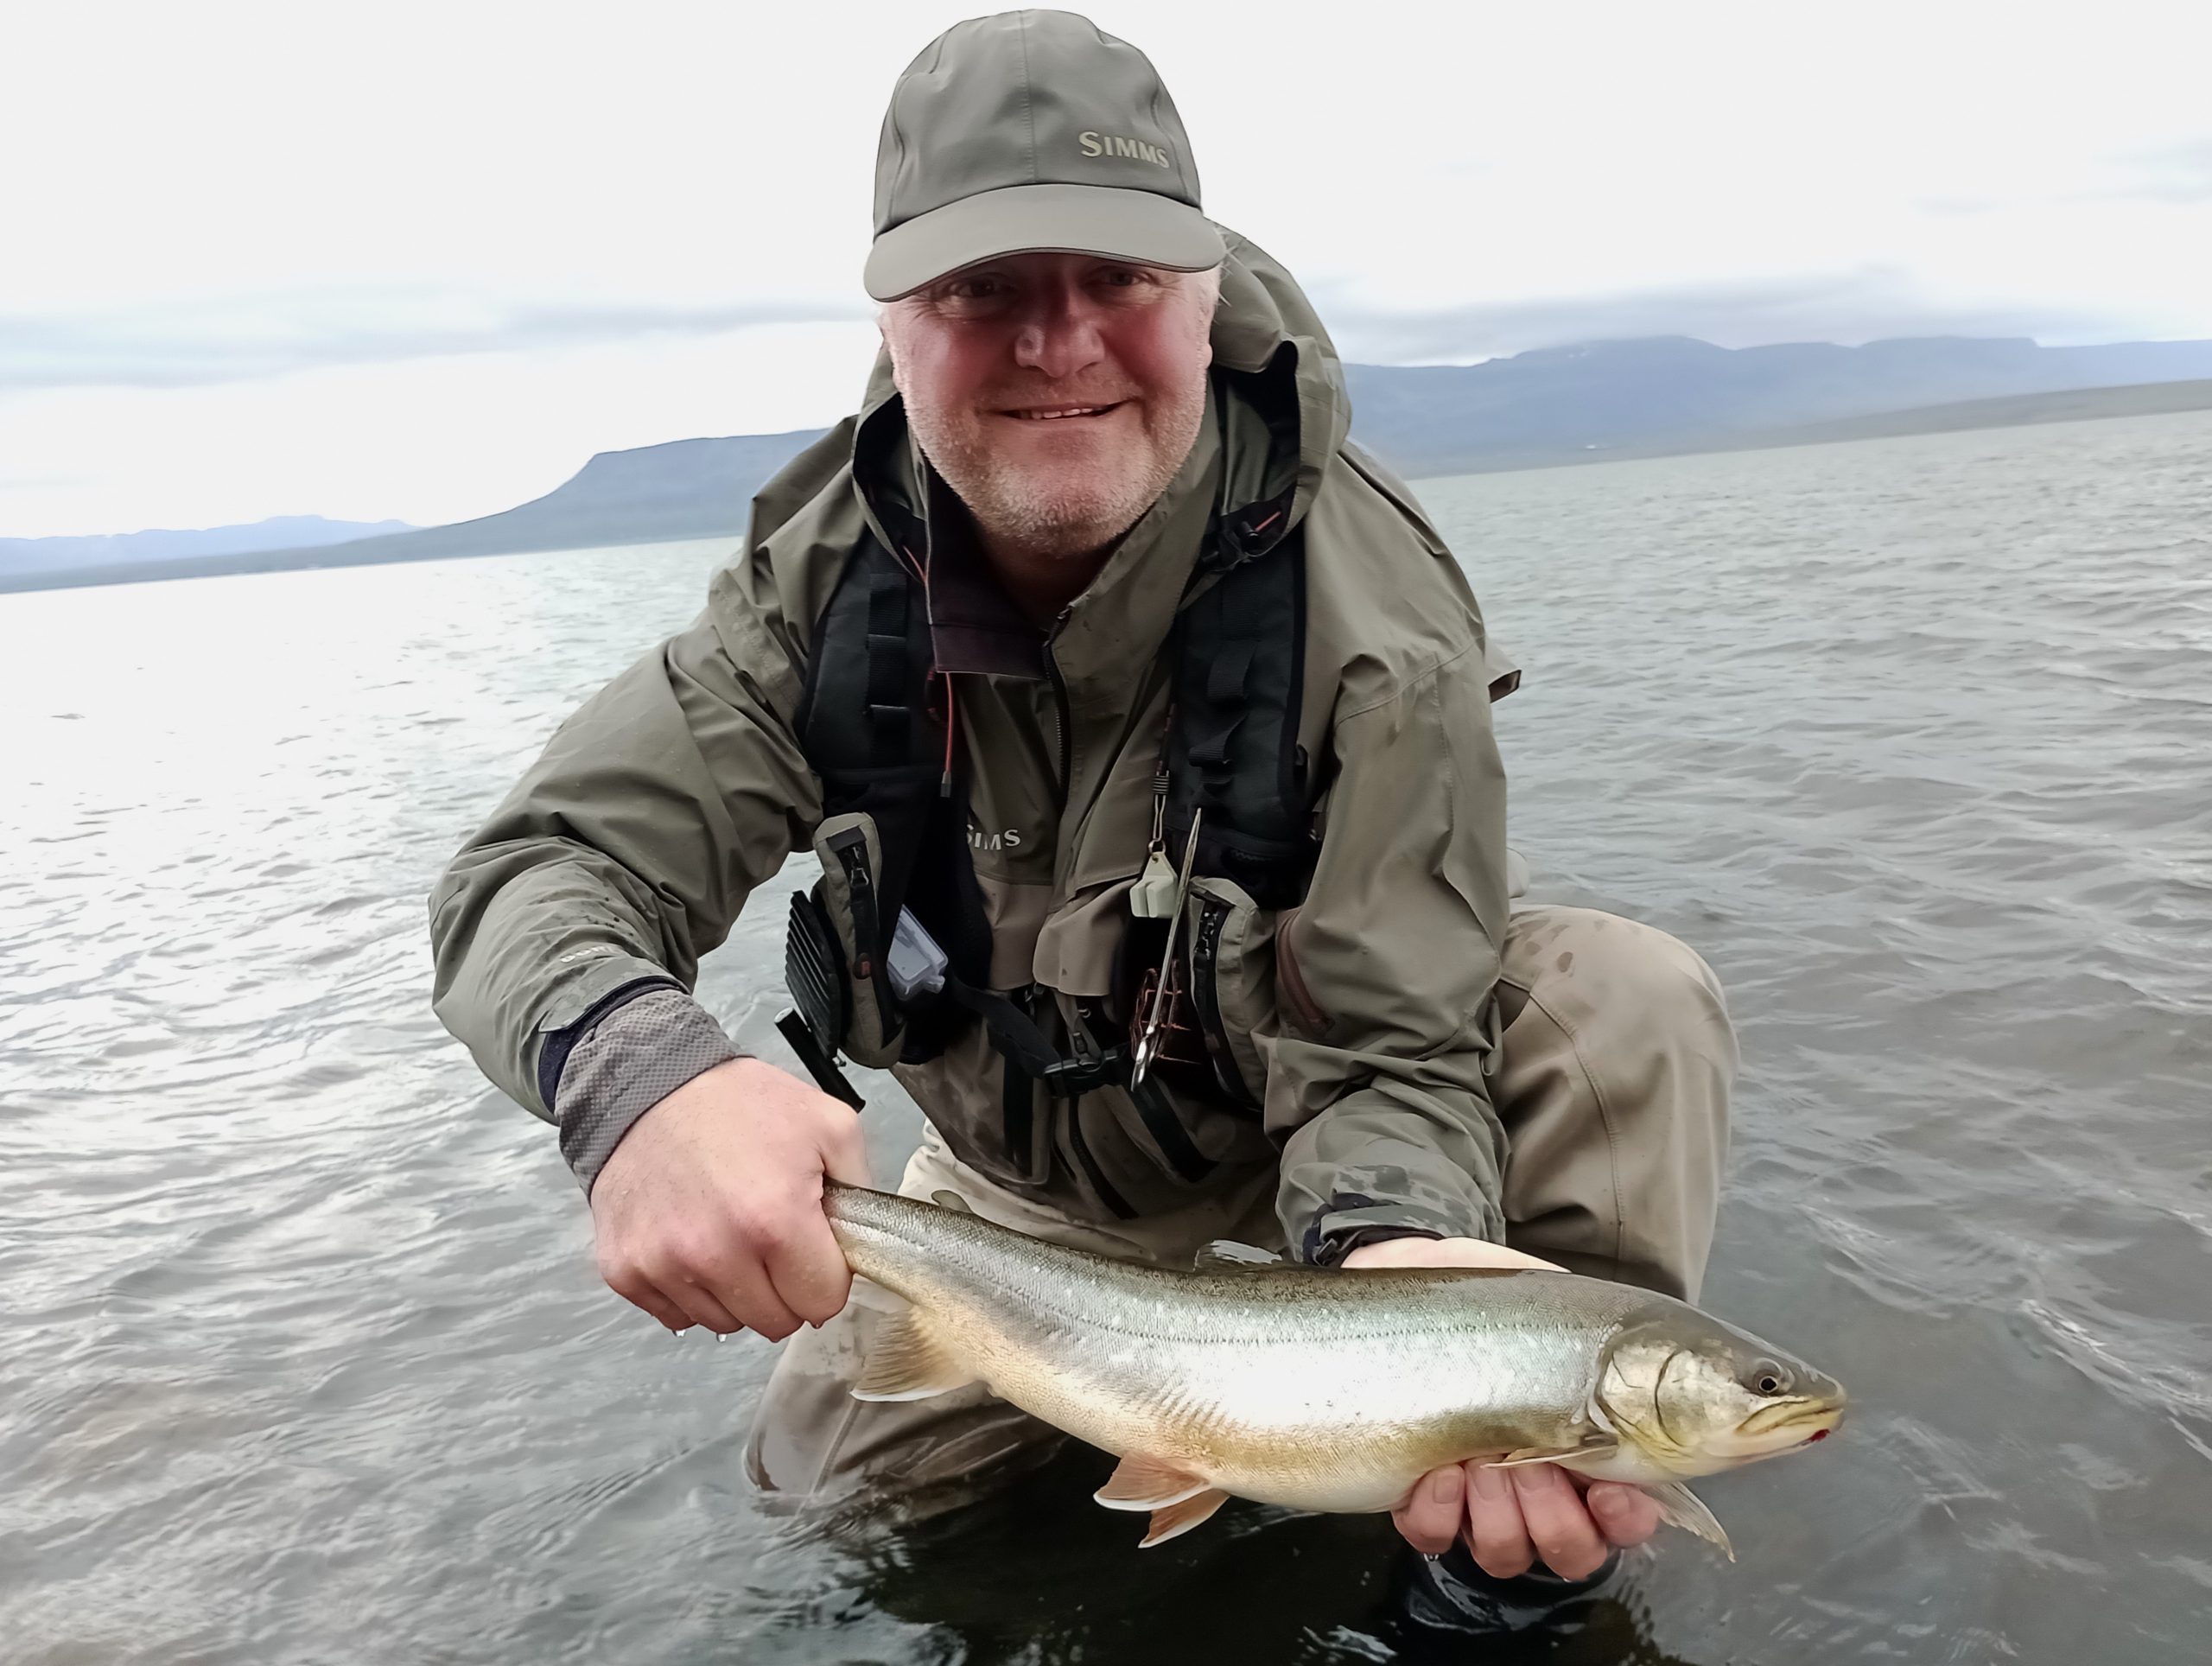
column 2177, row 175
column 1847, row 308
column 253, row 338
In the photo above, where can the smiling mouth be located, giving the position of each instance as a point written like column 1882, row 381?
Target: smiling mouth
column 1060, row 413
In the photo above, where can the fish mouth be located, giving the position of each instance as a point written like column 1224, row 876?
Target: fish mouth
column 1805, row 1420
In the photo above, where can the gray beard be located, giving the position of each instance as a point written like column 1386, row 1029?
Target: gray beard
column 1012, row 515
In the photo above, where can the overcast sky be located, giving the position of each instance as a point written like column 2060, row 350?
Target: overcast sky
column 420, row 260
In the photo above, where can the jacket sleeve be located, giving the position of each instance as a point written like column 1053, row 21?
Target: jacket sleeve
column 1383, row 1107
column 623, row 855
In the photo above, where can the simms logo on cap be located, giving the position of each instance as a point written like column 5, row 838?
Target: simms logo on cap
column 1111, row 144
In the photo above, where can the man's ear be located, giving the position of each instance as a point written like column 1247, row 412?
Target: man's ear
column 883, row 331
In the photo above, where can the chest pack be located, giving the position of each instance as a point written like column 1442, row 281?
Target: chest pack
column 893, row 837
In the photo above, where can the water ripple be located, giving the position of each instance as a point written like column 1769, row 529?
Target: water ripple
column 301, row 1349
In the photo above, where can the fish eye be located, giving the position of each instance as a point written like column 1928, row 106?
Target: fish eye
column 1768, row 1378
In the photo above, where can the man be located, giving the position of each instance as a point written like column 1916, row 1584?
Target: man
column 1092, row 594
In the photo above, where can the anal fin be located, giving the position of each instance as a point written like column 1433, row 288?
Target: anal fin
column 1142, row 1483
column 1182, row 1518
column 906, row 1362
column 1680, row 1507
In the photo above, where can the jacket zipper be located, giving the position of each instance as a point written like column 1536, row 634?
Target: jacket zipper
column 860, row 893
column 1061, row 723
column 1205, row 992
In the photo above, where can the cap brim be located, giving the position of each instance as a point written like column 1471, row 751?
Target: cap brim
column 1115, row 222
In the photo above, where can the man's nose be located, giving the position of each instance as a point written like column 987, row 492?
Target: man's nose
column 1059, row 335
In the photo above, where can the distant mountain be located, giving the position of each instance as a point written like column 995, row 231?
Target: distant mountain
column 1553, row 405
column 2013, row 410
column 24, row 558
column 684, row 489
column 1550, row 404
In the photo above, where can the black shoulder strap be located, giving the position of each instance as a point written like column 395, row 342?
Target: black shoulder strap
column 868, row 679
column 1240, row 661
column 876, row 743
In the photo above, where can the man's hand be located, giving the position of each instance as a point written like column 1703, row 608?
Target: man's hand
column 709, row 1211
column 1511, row 1517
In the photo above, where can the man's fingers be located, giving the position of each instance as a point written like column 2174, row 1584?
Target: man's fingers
column 633, row 1288
column 1496, row 1532
column 1625, row 1514
column 1429, row 1518
column 1559, row 1526
column 809, row 1271
column 704, row 1309
column 742, row 1286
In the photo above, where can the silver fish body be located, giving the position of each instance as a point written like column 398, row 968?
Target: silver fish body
column 1307, row 1386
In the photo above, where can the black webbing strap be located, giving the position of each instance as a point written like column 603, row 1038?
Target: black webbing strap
column 1168, row 1133
column 1031, row 1059
column 1233, row 752
column 889, row 719
column 1212, row 728
column 1024, row 1047
column 1017, row 1110
column 1012, row 1031
column 1159, row 1119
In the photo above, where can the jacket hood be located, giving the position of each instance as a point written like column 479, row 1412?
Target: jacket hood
column 1279, row 387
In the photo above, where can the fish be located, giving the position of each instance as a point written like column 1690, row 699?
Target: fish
column 1324, row 1390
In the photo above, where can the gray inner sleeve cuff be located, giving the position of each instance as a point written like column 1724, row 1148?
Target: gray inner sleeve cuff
column 628, row 1063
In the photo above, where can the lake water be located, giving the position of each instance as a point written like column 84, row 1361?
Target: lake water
column 303, row 1356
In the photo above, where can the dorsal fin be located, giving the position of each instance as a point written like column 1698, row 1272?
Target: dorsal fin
column 945, row 1197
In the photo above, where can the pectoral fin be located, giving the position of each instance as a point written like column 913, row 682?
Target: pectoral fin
column 1182, row 1518
column 1142, row 1483
column 1680, row 1507
column 1596, row 1445
column 1227, row 1256
column 904, row 1362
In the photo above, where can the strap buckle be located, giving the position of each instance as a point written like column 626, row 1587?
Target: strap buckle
column 1072, row 1077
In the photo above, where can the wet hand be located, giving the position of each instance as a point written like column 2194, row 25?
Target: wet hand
column 709, row 1211
column 1514, row 1518
column 1511, row 1519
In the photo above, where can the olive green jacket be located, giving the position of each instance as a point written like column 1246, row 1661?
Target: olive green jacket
column 1362, row 1021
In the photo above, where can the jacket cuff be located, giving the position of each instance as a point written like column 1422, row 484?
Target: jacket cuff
column 1352, row 1218
column 1331, row 1248
column 626, row 1058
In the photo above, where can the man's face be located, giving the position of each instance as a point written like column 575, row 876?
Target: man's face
column 1057, row 394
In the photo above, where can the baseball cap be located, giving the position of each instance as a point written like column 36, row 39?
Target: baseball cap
column 1032, row 131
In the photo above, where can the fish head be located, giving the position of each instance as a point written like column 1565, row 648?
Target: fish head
column 1696, row 1395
